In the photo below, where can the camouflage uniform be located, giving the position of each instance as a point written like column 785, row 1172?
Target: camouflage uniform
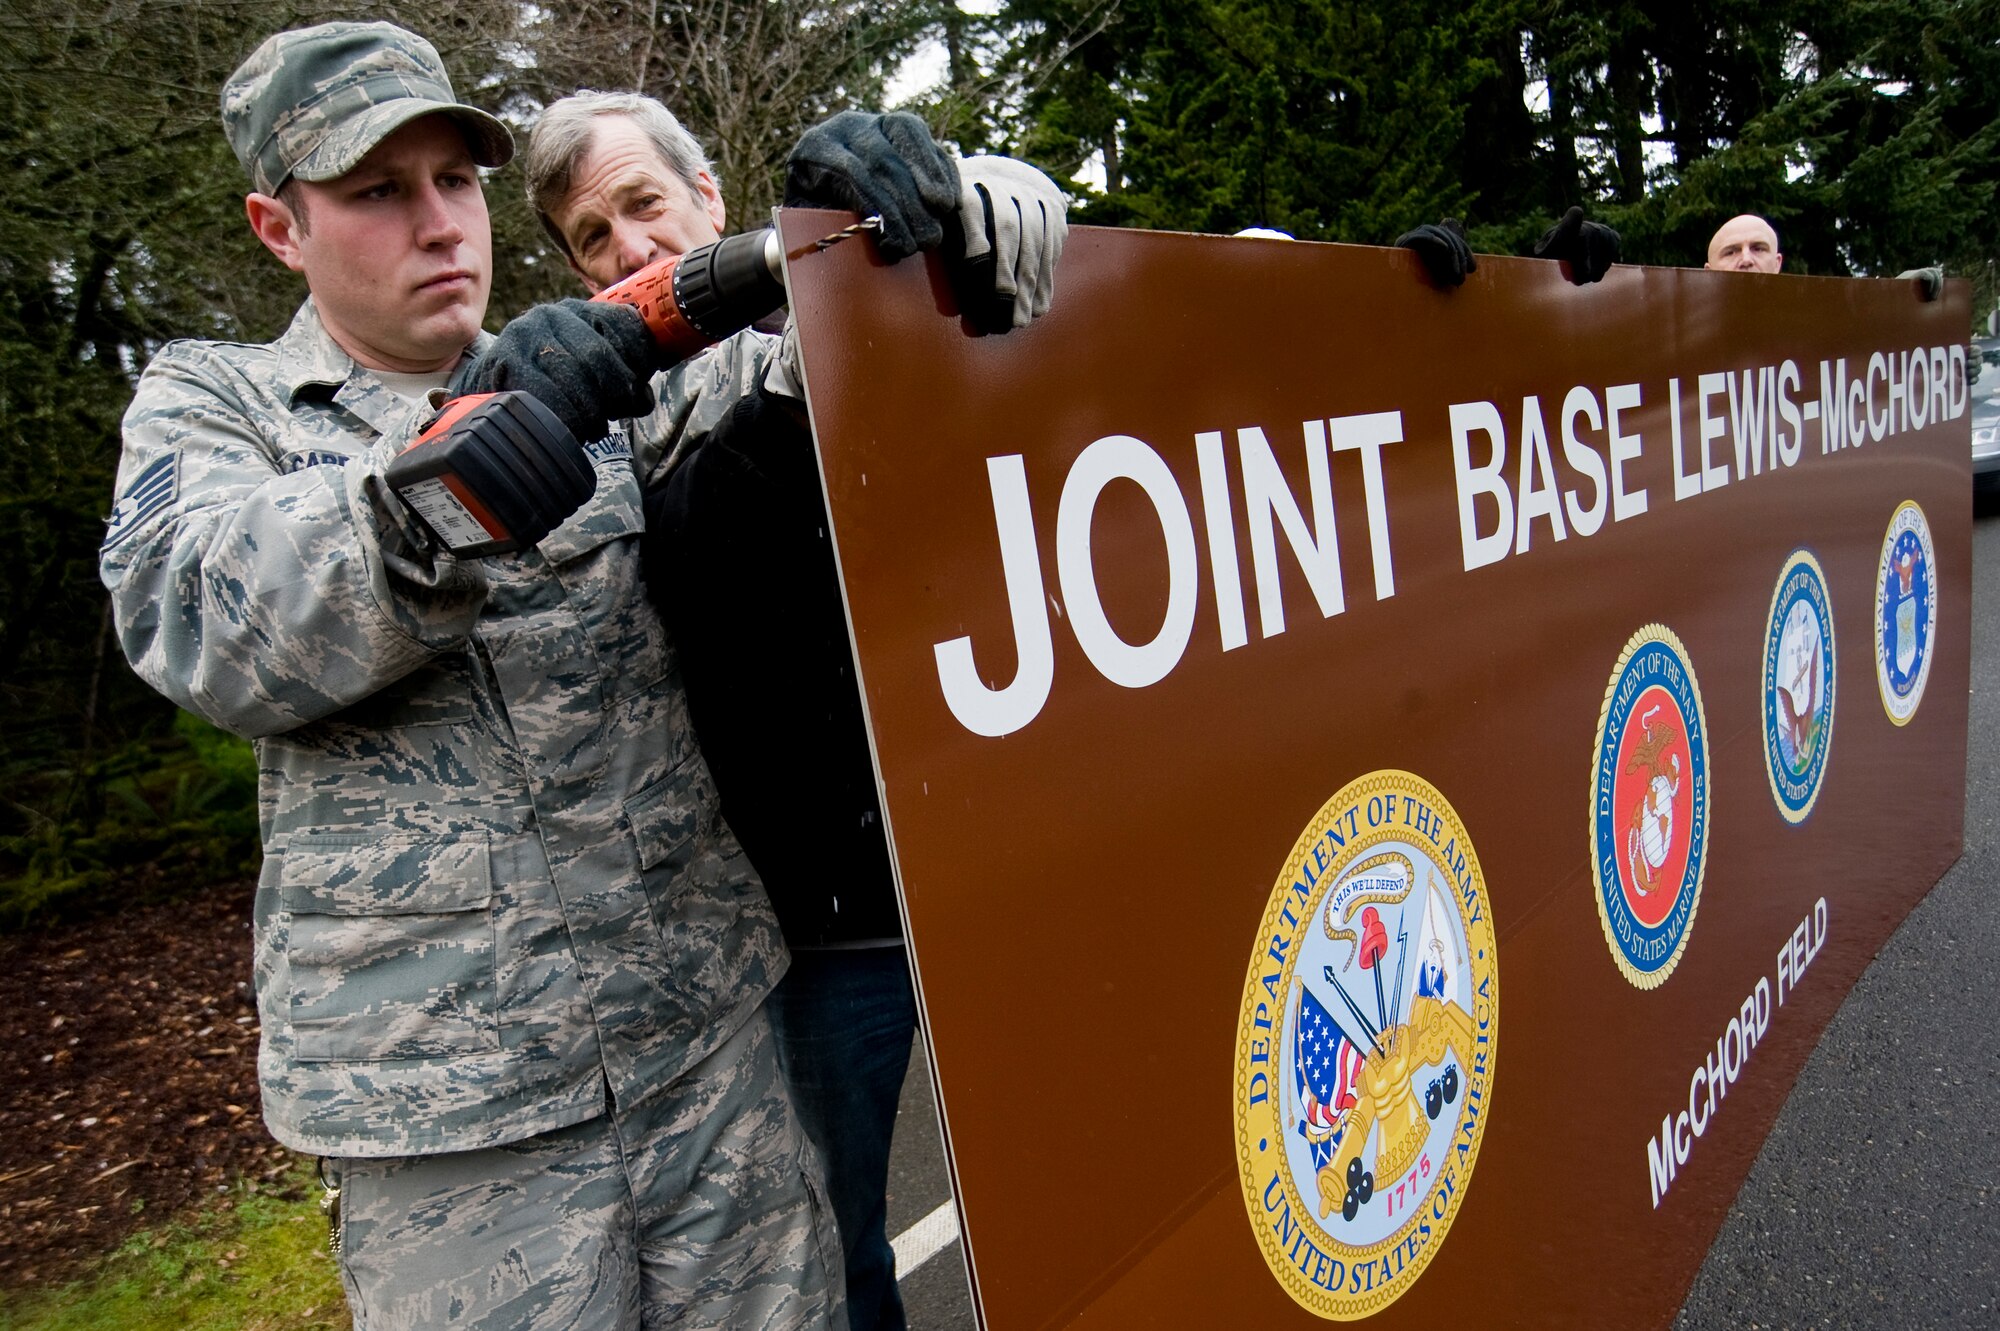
column 497, row 896
column 498, row 900
column 704, row 1170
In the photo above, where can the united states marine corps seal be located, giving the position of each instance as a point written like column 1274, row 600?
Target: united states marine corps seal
column 1365, row 1046
column 1905, row 612
column 1798, row 685
column 1649, row 806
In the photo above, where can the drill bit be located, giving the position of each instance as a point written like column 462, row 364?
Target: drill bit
column 865, row 224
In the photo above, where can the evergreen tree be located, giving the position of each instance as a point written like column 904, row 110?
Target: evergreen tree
column 1866, row 129
column 1329, row 119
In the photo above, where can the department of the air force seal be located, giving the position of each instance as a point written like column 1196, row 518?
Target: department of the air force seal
column 1649, row 806
column 1365, row 1046
column 1798, row 685
column 1905, row 612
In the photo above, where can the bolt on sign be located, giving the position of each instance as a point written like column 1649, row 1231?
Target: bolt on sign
column 1266, row 653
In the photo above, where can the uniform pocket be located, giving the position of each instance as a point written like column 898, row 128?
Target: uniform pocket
column 669, row 820
column 390, row 946
column 611, row 512
column 595, row 555
column 669, row 816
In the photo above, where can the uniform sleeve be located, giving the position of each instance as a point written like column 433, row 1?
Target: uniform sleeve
column 258, row 599
column 696, row 398
column 737, row 510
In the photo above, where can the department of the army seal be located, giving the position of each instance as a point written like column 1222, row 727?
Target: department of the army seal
column 1365, row 1046
column 1649, row 806
column 1905, row 612
column 1798, row 685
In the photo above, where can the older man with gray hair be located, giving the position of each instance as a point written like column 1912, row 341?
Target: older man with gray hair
column 738, row 557
column 599, row 165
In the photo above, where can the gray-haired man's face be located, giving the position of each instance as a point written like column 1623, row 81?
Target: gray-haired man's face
column 626, row 207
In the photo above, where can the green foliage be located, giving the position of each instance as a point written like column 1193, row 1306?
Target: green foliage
column 1866, row 129
column 1329, row 119
column 257, row 1263
column 1868, row 132
column 148, row 819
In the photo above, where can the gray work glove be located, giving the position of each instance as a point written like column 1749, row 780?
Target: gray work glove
column 1014, row 221
column 885, row 166
column 1930, row 281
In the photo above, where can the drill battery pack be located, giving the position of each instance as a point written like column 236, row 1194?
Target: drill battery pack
column 472, row 475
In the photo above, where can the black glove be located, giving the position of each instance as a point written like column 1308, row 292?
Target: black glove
column 494, row 474
column 1442, row 248
column 885, row 166
column 1590, row 247
column 590, row 362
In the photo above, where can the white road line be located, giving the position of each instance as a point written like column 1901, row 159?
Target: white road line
column 925, row 1239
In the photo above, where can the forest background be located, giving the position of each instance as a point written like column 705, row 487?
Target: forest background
column 1868, row 130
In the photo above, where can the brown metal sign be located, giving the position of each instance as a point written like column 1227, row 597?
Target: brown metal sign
column 1388, row 785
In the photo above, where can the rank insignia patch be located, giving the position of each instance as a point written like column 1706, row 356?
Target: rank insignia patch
column 1905, row 612
column 149, row 492
column 1649, row 806
column 1365, row 1046
column 1798, row 686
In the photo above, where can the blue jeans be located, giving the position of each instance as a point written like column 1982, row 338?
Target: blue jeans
column 845, row 1020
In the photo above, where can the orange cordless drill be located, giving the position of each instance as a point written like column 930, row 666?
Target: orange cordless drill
column 495, row 472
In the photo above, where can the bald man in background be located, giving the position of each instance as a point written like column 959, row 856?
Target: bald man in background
column 1749, row 244
column 1745, row 244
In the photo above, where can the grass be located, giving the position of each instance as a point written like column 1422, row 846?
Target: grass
column 255, row 1262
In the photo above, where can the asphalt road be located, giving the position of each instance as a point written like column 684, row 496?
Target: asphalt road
column 1875, row 1202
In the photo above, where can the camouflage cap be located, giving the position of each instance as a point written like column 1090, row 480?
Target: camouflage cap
column 312, row 102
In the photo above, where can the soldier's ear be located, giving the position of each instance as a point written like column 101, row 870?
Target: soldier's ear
column 277, row 226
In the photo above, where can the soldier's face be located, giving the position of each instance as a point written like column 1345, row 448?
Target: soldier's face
column 627, row 208
column 398, row 252
column 1745, row 244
